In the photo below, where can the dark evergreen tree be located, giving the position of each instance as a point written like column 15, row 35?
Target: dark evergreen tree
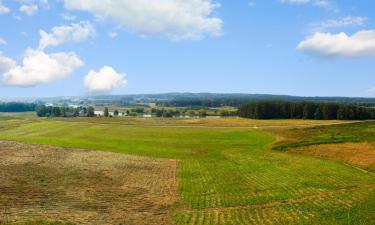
column 90, row 111
column 106, row 112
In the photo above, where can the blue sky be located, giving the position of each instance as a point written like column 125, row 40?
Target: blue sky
column 294, row 47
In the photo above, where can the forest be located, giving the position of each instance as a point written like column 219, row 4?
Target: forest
column 305, row 110
column 17, row 107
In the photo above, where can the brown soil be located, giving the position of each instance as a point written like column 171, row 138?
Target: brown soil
column 359, row 154
column 84, row 187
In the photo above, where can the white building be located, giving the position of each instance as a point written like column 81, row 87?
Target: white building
column 99, row 113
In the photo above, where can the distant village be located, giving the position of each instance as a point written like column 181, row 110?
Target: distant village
column 148, row 110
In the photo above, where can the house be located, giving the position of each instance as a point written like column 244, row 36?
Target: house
column 99, row 113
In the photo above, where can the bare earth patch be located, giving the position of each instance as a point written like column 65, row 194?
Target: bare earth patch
column 360, row 154
column 84, row 187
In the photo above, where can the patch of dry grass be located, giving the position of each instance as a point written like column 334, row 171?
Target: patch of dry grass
column 84, row 187
column 201, row 122
column 360, row 154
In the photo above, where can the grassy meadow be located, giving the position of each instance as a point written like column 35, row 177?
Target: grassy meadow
column 228, row 171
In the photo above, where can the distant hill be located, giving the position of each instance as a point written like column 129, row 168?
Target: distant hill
column 189, row 99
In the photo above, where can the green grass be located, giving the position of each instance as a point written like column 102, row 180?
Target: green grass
column 227, row 176
column 342, row 133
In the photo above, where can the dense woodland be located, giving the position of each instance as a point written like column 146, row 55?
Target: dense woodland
column 219, row 100
column 305, row 110
column 17, row 107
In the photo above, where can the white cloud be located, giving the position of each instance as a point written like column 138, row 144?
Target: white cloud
column 173, row 19
column 323, row 3
column 327, row 4
column 29, row 9
column 371, row 90
column 3, row 9
column 295, row 1
column 44, row 3
column 69, row 17
column 112, row 34
column 2, row 41
column 38, row 67
column 77, row 32
column 338, row 23
column 104, row 80
column 6, row 63
column 359, row 44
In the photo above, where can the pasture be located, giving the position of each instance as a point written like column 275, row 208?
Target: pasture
column 227, row 172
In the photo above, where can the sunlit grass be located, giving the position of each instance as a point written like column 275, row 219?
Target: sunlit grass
column 223, row 172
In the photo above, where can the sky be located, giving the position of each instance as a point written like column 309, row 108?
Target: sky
column 92, row 47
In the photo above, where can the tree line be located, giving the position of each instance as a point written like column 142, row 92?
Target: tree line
column 17, row 107
column 305, row 110
column 63, row 111
column 201, row 103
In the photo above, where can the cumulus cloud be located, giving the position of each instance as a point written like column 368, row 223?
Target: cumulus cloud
column 3, row 9
column 338, row 23
column 38, row 67
column 173, row 19
column 29, row 9
column 77, row 32
column 359, row 44
column 6, row 63
column 104, row 80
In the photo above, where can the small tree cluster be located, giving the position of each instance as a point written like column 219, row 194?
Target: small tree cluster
column 63, row 111
column 305, row 110
column 165, row 113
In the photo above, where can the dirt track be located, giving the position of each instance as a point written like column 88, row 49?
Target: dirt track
column 84, row 187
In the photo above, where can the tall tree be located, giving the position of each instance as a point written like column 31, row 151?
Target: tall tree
column 90, row 111
column 106, row 112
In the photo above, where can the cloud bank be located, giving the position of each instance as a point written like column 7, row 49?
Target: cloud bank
column 359, row 44
column 173, row 19
column 104, row 80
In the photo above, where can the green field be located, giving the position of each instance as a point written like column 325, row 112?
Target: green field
column 227, row 175
column 343, row 133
